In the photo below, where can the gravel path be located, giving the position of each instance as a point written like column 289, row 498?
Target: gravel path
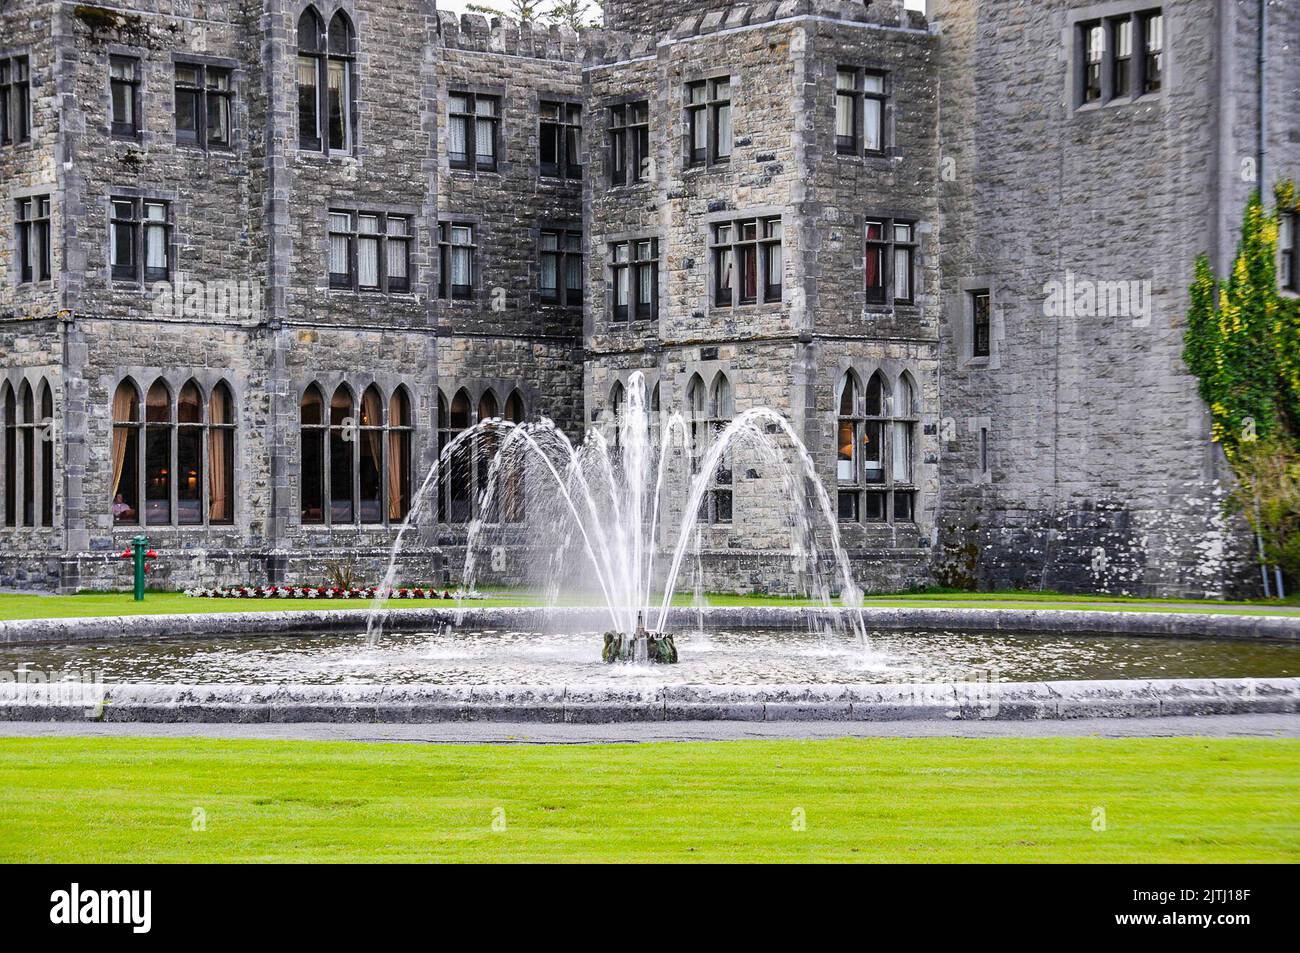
column 1208, row 726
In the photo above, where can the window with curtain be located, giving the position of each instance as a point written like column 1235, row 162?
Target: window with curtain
column 560, row 253
column 634, row 279
column 472, row 120
column 29, row 448
column 708, row 121
column 455, row 474
column 124, row 95
column 176, row 466
column 326, row 80
column 747, row 262
column 203, row 105
column 355, row 456
column 139, row 239
column 889, row 258
column 874, row 453
column 629, row 143
column 369, row 251
column 455, row 260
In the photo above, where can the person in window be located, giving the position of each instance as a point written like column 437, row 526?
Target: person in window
column 122, row 511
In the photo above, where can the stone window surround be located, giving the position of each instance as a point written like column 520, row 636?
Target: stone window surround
column 981, row 428
column 328, row 383
column 705, row 225
column 36, row 378
column 175, row 239
column 206, row 378
column 684, row 165
column 502, row 165
column 237, row 81
column 962, row 322
column 1072, row 40
column 117, row 51
column 24, row 50
column 411, row 212
column 535, row 272
column 51, row 191
column 892, row 370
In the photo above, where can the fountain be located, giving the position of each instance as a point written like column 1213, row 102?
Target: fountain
column 607, row 506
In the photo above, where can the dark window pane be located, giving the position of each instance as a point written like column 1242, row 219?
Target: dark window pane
column 189, row 485
column 157, row 475
column 312, row 483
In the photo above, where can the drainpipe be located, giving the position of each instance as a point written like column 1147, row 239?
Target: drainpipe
column 1261, row 63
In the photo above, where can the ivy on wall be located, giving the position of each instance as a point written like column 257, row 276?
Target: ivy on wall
column 1243, row 344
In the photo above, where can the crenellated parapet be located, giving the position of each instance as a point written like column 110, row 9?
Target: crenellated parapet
column 885, row 13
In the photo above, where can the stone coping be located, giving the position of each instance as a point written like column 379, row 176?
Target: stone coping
column 380, row 704
column 882, row 618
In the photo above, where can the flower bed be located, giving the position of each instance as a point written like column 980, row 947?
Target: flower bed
column 328, row 592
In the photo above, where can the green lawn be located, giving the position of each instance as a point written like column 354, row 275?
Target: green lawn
column 1002, row 800
column 24, row 606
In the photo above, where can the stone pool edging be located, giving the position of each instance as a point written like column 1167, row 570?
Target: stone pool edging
column 383, row 704
column 1281, row 628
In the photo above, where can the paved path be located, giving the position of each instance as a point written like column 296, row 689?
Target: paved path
column 1209, row 726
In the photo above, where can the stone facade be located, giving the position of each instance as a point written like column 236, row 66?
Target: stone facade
column 1074, row 456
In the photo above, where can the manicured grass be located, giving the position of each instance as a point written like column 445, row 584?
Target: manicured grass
column 24, row 606
column 1000, row 800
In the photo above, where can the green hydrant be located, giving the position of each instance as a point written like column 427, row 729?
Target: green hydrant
column 139, row 550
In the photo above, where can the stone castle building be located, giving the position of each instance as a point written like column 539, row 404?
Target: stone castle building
column 260, row 259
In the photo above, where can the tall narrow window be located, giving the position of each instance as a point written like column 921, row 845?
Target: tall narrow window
column 902, row 268
column 455, row 260
column 203, row 99
column 561, row 140
column 32, row 238
column 15, row 100
column 125, row 494
column 472, row 131
column 512, row 479
column 340, row 491
column 848, row 432
column 342, row 239
column 158, row 455
column 456, row 461
column 311, row 456
column 338, row 85
column 634, row 279
column 1122, row 64
column 189, row 456
column 1288, row 264
column 980, row 313
column 561, row 267
column 45, row 433
column 1094, row 49
column 401, row 436
column 221, row 456
column 709, row 415
column 708, row 121
column 311, row 66
column 370, row 469
column 124, row 94
column 747, row 262
column 629, row 143
column 10, row 422
column 1153, row 48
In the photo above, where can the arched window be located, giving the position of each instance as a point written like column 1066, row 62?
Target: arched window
column 184, row 456
column 356, row 461
column 326, row 82
column 221, row 456
column 512, row 490
column 617, row 401
column 339, row 82
column 874, row 449
column 456, row 475
column 311, row 66
column 28, row 455
column 400, row 437
column 710, row 413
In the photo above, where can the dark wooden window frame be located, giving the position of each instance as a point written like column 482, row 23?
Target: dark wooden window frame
column 629, row 142
column 471, row 117
column 15, row 100
column 383, row 239
column 32, row 239
column 885, row 246
column 446, row 248
column 565, row 135
column 142, row 234
column 737, row 245
column 642, row 258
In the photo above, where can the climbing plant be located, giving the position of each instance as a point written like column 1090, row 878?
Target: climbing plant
column 1243, row 344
